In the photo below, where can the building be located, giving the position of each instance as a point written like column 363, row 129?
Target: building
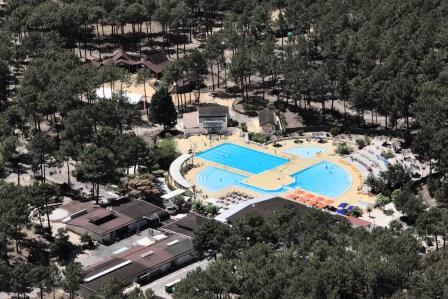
column 133, row 98
column 155, row 62
column 268, row 207
column 208, row 119
column 185, row 226
column 139, row 264
column 268, row 121
column 107, row 225
column 264, row 207
column 356, row 222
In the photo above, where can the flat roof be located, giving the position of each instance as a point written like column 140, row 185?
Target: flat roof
column 187, row 225
column 106, row 93
column 90, row 221
column 103, row 221
column 173, row 194
column 137, row 209
column 135, row 261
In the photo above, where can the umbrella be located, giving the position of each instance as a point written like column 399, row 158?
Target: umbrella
column 312, row 202
column 321, row 205
column 328, row 202
column 299, row 192
column 290, row 196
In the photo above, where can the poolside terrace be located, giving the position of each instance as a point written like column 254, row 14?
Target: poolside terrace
column 275, row 178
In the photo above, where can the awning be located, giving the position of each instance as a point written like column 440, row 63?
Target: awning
column 173, row 194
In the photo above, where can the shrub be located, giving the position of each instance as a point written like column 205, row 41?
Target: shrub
column 197, row 206
column 335, row 131
column 361, row 143
column 343, row 149
column 233, row 123
column 211, row 209
column 356, row 212
column 388, row 154
column 258, row 137
column 382, row 200
column 244, row 127
column 86, row 240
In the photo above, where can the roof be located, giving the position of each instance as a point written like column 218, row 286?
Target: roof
column 175, row 172
column 191, row 120
column 135, row 261
column 106, row 93
column 173, row 194
column 213, row 110
column 266, row 116
column 265, row 207
column 137, row 209
column 103, row 221
column 356, row 222
column 100, row 221
column 187, row 225
column 156, row 62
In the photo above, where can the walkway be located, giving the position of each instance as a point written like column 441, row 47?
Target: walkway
column 158, row 286
column 175, row 171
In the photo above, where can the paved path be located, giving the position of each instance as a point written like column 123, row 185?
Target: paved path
column 59, row 176
column 158, row 286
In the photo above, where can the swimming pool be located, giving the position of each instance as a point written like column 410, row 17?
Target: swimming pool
column 305, row 152
column 214, row 179
column 242, row 158
column 324, row 178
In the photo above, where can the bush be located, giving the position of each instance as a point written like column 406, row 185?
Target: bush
column 300, row 132
column 388, row 154
column 356, row 212
column 335, row 131
column 361, row 143
column 343, row 149
column 258, row 137
column 382, row 200
column 233, row 123
column 377, row 185
column 244, row 127
column 86, row 241
column 211, row 209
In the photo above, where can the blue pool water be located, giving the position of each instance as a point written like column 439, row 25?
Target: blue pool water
column 214, row 179
column 323, row 178
column 242, row 158
column 305, row 152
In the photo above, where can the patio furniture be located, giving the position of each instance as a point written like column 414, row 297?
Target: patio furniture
column 290, row 196
column 340, row 212
column 328, row 202
column 343, row 205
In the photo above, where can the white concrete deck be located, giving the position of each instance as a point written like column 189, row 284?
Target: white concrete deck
column 176, row 174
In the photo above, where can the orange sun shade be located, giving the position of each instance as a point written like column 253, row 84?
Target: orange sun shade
column 290, row 196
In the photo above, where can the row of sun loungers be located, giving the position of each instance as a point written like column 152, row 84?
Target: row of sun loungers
column 233, row 198
column 309, row 199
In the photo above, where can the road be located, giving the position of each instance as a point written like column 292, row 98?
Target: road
column 158, row 286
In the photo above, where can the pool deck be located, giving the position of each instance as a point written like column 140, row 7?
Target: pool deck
column 273, row 179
